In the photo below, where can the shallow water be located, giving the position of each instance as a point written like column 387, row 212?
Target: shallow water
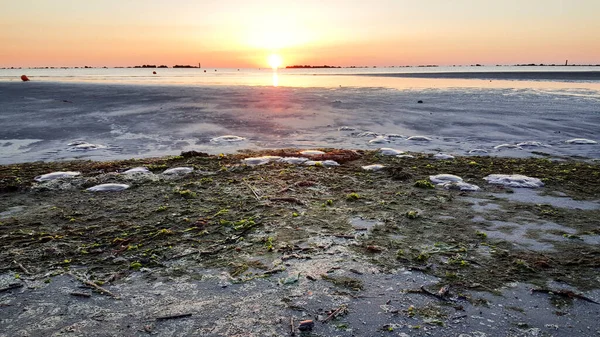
column 40, row 119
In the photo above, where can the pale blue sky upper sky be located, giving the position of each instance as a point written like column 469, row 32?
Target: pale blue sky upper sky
column 241, row 33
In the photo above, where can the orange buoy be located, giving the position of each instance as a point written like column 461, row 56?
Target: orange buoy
column 24, row 78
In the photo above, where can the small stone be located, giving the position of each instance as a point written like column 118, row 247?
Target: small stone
column 420, row 102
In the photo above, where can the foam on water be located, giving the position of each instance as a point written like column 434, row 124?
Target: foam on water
column 514, row 180
column 178, row 170
column 506, row 146
column 253, row 161
column 108, row 188
column 56, row 175
column 346, row 128
column 374, row 167
column 367, row 134
column 581, row 141
column 386, row 151
column 444, row 178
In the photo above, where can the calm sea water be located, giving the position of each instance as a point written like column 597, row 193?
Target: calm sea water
column 397, row 77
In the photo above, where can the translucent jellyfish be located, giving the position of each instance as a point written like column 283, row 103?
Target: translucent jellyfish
column 326, row 163
column 108, row 188
column 367, row 134
column 374, row 167
column 137, row 170
column 56, row 175
column 460, row 186
column 227, row 139
column 581, row 141
column 293, row 160
column 444, row 178
column 311, row 153
column 475, row 151
column 260, row 160
column 419, row 139
column 442, row 156
column 386, row 151
column 506, row 146
column 514, row 180
column 178, row 170
column 530, row 144
column 379, row 140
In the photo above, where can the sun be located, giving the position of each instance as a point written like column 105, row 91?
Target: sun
column 275, row 61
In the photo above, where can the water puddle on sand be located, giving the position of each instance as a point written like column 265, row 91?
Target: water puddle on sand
column 11, row 211
column 360, row 224
column 532, row 197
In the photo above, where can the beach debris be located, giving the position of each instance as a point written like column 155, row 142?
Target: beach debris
column 374, row 167
column 108, row 188
column 530, row 144
column 346, row 128
column 514, row 180
column 379, row 140
column 386, row 151
column 444, row 178
column 253, row 161
column 178, row 170
column 306, row 325
column 442, row 156
column 56, row 175
column 94, row 285
column 24, row 78
column 367, row 134
column 227, row 139
column 460, row 186
column 326, row 163
column 164, row 318
column 475, row 151
column 419, row 139
column 507, row 146
column 581, row 141
column 11, row 286
column 293, row 160
column 564, row 293
column 136, row 170
column 342, row 309
column 311, row 152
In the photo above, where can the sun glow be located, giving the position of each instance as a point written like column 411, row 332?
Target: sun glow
column 275, row 61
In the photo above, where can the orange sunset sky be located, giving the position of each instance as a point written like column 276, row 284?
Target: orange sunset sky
column 243, row 33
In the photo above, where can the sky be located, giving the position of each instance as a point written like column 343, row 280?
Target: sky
column 243, row 33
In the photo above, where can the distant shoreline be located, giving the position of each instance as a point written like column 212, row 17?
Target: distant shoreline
column 500, row 75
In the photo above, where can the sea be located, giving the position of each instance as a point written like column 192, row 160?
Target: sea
column 118, row 113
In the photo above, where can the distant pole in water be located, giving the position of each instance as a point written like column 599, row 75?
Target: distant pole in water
column 199, row 65
column 567, row 62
